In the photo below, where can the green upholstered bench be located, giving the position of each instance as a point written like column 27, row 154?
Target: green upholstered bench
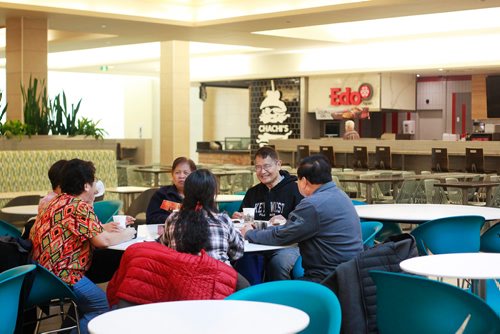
column 27, row 170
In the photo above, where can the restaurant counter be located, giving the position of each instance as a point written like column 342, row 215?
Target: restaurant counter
column 233, row 157
column 406, row 154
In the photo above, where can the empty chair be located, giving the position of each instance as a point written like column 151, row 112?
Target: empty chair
column 48, row 289
column 328, row 152
column 8, row 229
column 140, row 205
column 319, row 302
column 368, row 230
column 434, row 195
column 411, row 304
column 360, row 157
column 454, row 194
column 460, row 234
column 11, row 282
column 302, row 152
column 439, row 160
column 490, row 240
column 474, row 160
column 383, row 158
column 105, row 210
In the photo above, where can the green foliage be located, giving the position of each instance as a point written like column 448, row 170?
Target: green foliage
column 13, row 128
column 42, row 115
column 36, row 108
column 88, row 127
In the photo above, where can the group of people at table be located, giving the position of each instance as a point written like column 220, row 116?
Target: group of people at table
column 320, row 219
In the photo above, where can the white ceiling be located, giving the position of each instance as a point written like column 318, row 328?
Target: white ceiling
column 85, row 34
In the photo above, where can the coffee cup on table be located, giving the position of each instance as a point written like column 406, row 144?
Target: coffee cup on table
column 121, row 219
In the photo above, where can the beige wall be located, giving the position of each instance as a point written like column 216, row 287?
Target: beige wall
column 226, row 113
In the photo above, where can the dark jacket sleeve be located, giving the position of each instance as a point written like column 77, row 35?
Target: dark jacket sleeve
column 301, row 224
column 155, row 214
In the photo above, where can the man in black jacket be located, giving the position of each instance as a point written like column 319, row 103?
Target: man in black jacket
column 273, row 198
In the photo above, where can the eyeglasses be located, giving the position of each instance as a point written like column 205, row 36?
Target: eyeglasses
column 265, row 167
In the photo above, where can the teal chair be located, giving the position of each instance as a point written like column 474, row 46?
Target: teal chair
column 411, row 304
column 105, row 210
column 50, row 290
column 8, row 229
column 229, row 207
column 298, row 270
column 319, row 302
column 11, row 282
column 490, row 240
column 388, row 228
column 460, row 234
column 369, row 230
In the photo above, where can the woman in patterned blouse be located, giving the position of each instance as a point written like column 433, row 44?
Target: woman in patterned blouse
column 66, row 232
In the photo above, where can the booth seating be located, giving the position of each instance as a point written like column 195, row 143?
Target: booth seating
column 27, row 170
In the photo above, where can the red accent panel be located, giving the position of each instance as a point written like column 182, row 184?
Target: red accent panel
column 395, row 122
column 454, row 113
column 464, row 114
column 408, row 116
column 384, row 121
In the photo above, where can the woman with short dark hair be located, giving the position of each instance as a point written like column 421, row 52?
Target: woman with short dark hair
column 65, row 233
column 169, row 198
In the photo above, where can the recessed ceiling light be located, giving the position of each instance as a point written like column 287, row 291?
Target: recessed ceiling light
column 418, row 75
column 440, row 70
column 104, row 26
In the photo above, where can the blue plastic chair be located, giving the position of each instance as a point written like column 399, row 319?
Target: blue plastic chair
column 48, row 288
column 298, row 270
column 11, row 282
column 490, row 240
column 229, row 207
column 8, row 229
column 369, row 230
column 355, row 202
column 388, row 228
column 319, row 302
column 105, row 210
column 411, row 304
column 459, row 234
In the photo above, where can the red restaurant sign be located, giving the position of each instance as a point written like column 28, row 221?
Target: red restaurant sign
column 350, row 97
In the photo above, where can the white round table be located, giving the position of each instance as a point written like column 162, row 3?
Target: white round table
column 419, row 213
column 21, row 210
column 475, row 266
column 202, row 316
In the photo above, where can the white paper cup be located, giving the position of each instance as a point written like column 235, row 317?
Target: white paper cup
column 99, row 186
column 122, row 219
column 248, row 215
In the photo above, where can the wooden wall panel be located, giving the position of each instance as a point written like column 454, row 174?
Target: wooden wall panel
column 479, row 97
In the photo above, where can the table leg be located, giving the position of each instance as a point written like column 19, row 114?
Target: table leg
column 465, row 196
column 488, row 196
column 479, row 288
column 156, row 179
column 369, row 193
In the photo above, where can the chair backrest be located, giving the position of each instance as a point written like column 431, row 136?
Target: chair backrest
column 407, row 192
column 328, row 152
column 302, row 152
column 105, row 210
column 368, row 231
column 411, row 304
column 140, row 203
column 356, row 202
column 229, row 207
column 434, row 195
column 8, row 229
column 11, row 282
column 360, row 157
column 383, row 158
column 46, row 287
column 439, row 159
column 460, row 234
column 474, row 160
column 319, row 302
column 490, row 240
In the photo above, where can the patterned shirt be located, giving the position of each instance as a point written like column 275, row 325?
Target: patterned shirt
column 61, row 237
column 225, row 242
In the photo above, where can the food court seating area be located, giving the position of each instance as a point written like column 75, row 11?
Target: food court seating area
column 24, row 171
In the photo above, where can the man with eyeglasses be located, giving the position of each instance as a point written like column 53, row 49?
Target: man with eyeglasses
column 273, row 198
column 324, row 224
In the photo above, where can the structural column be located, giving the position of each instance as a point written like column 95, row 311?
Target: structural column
column 174, row 101
column 26, row 56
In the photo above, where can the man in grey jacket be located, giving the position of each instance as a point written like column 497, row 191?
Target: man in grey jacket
column 324, row 224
